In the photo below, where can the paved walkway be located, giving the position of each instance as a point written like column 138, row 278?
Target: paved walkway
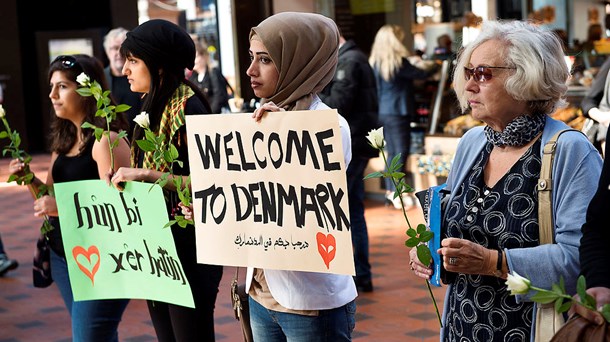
column 400, row 308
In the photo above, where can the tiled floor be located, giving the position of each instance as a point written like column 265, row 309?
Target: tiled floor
column 400, row 308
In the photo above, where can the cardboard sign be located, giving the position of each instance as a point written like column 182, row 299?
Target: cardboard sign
column 270, row 194
column 115, row 243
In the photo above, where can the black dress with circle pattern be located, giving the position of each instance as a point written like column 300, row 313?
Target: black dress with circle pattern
column 504, row 216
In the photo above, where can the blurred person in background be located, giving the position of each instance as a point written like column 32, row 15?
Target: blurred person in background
column 6, row 263
column 353, row 93
column 210, row 80
column 394, row 76
column 119, row 85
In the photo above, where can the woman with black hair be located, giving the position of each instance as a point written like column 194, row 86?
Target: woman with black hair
column 77, row 155
column 157, row 53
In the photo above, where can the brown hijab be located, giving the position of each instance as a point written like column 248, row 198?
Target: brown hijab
column 304, row 48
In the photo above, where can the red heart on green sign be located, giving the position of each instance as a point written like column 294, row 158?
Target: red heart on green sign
column 91, row 270
column 327, row 246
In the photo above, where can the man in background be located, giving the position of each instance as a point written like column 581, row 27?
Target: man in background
column 119, row 85
column 353, row 93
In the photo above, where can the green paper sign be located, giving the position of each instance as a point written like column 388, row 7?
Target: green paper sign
column 115, row 243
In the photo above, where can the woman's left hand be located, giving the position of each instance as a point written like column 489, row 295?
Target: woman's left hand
column 463, row 256
column 45, row 206
column 266, row 107
column 419, row 269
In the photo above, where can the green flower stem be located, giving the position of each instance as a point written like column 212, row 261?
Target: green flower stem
column 438, row 315
column 22, row 155
column 6, row 126
column 562, row 295
column 404, row 214
column 110, row 145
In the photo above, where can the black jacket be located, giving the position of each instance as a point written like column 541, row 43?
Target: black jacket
column 354, row 94
column 594, row 245
column 214, row 87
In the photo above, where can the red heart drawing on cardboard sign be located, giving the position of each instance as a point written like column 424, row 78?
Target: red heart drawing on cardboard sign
column 327, row 246
column 78, row 250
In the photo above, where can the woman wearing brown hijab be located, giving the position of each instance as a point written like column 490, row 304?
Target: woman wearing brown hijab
column 293, row 56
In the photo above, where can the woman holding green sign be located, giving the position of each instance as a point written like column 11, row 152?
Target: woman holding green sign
column 157, row 54
column 77, row 155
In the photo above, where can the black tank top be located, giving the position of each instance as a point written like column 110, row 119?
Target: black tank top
column 68, row 169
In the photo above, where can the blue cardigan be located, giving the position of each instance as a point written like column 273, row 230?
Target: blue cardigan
column 576, row 170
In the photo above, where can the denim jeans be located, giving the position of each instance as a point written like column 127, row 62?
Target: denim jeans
column 360, row 235
column 397, row 134
column 332, row 325
column 92, row 320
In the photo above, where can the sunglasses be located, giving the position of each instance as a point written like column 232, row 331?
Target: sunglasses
column 67, row 62
column 481, row 73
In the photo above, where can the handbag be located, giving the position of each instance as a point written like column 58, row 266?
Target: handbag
column 548, row 320
column 41, row 265
column 578, row 328
column 241, row 308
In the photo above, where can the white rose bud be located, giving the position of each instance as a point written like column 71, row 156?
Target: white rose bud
column 83, row 79
column 2, row 112
column 517, row 284
column 375, row 138
column 142, row 120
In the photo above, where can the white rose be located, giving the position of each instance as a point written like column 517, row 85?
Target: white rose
column 2, row 112
column 142, row 120
column 83, row 79
column 517, row 284
column 375, row 138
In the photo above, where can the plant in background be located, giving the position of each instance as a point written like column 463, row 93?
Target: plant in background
column 16, row 152
column 419, row 236
column 517, row 284
column 104, row 109
column 165, row 154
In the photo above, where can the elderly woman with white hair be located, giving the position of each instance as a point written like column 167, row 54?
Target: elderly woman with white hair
column 511, row 77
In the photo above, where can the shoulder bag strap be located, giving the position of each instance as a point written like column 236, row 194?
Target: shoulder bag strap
column 545, row 189
column 548, row 321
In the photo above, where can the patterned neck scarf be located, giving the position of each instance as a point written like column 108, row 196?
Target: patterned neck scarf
column 171, row 121
column 518, row 132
